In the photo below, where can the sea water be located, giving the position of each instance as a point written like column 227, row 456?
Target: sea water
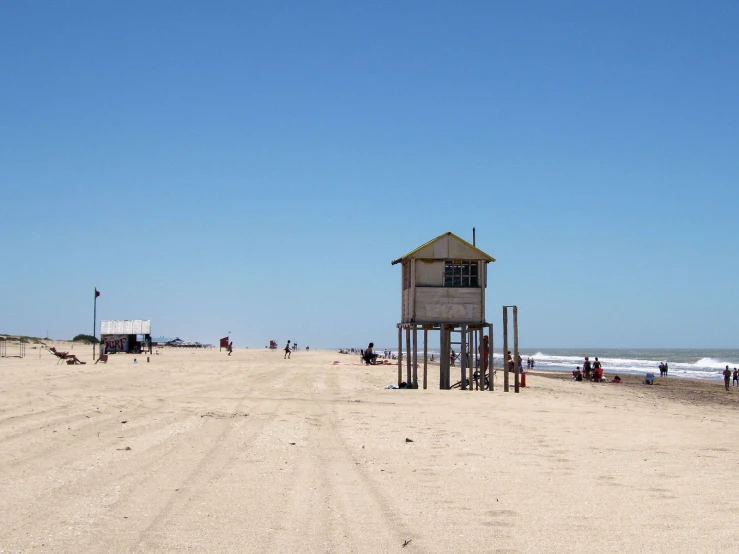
column 688, row 363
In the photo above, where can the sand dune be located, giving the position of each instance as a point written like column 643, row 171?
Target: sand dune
column 201, row 452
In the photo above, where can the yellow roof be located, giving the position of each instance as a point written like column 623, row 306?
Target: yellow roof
column 483, row 255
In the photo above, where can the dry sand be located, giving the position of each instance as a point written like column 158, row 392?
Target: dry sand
column 201, row 452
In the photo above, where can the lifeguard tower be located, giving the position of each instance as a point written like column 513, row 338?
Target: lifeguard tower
column 443, row 289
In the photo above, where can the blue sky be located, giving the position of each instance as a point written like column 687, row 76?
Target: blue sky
column 255, row 167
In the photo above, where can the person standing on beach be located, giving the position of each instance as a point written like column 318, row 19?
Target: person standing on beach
column 287, row 350
column 452, row 358
column 597, row 370
column 735, row 380
column 586, row 367
column 727, row 376
column 483, row 351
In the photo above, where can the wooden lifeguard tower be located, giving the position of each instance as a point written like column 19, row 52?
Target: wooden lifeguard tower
column 443, row 289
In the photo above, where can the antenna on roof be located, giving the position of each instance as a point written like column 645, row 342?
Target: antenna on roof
column 473, row 237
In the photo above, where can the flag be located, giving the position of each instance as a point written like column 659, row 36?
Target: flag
column 224, row 342
column 97, row 293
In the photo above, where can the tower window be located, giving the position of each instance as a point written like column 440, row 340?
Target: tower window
column 460, row 273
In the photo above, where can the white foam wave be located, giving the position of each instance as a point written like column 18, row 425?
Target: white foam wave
column 704, row 368
column 711, row 362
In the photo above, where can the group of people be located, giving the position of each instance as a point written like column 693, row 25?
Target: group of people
column 591, row 371
column 518, row 364
column 727, row 375
column 663, row 369
column 386, row 354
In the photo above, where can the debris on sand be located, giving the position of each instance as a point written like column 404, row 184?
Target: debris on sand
column 223, row 415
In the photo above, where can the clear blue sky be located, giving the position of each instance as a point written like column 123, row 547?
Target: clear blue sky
column 254, row 167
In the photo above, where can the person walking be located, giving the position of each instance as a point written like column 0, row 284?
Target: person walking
column 735, row 380
column 287, row 350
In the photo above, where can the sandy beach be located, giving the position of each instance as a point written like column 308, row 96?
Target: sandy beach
column 200, row 452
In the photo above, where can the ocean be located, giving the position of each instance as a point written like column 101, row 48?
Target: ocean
column 687, row 363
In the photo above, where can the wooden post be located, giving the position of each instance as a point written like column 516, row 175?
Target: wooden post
column 505, row 349
column 425, row 357
column 470, row 358
column 515, row 348
column 442, row 328
column 400, row 355
column 491, row 366
column 448, row 373
column 443, row 356
column 463, row 355
column 409, row 358
column 477, row 339
column 450, row 347
column 415, row 357
column 481, row 360
column 94, row 323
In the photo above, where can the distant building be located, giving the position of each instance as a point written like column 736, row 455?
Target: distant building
column 159, row 341
column 126, row 335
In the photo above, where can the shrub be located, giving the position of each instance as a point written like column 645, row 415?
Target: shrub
column 86, row 339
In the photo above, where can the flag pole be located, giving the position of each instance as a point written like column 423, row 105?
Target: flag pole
column 94, row 322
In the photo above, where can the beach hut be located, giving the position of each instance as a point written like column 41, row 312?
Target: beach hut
column 443, row 289
column 126, row 335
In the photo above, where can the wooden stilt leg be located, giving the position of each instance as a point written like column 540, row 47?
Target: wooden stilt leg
column 442, row 349
column 463, row 356
column 425, row 357
column 505, row 350
column 479, row 364
column 409, row 358
column 515, row 348
column 400, row 355
column 449, row 332
column 470, row 359
column 415, row 357
column 491, row 365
